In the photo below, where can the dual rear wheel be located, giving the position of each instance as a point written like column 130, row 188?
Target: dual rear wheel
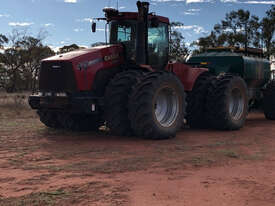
column 227, row 103
column 218, row 102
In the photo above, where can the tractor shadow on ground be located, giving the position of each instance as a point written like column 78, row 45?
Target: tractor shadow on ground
column 258, row 119
column 87, row 136
column 254, row 119
column 63, row 137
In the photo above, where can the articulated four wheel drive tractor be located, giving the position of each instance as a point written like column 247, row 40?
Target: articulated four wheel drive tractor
column 129, row 84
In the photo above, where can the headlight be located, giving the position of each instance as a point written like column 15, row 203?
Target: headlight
column 61, row 94
column 39, row 94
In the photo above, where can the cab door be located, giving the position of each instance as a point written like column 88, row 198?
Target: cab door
column 158, row 46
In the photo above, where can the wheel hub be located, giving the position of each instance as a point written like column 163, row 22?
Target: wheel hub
column 236, row 104
column 166, row 107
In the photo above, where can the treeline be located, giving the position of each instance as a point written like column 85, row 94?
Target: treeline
column 241, row 29
column 20, row 59
column 237, row 29
column 20, row 53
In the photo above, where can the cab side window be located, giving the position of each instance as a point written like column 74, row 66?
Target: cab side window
column 124, row 33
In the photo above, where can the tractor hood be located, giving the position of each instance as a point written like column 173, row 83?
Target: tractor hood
column 87, row 54
column 78, row 68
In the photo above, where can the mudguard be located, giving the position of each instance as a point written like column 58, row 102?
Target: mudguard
column 187, row 74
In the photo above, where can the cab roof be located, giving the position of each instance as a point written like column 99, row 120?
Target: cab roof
column 134, row 16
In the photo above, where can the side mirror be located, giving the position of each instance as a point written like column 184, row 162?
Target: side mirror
column 154, row 22
column 93, row 27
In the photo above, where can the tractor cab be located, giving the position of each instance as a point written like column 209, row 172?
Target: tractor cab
column 125, row 32
column 145, row 37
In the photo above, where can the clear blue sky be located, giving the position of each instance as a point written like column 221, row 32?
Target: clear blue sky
column 67, row 21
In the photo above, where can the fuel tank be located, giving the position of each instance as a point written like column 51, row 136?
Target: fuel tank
column 76, row 70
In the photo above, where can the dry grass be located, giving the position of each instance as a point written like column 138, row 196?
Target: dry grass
column 14, row 100
column 15, row 104
column 91, row 193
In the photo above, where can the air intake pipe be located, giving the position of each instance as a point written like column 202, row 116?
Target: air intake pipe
column 142, row 33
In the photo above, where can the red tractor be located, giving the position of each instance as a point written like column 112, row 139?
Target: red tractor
column 128, row 84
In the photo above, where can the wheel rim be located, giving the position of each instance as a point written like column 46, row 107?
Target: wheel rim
column 166, row 107
column 236, row 104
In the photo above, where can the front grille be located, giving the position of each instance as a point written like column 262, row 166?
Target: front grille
column 57, row 76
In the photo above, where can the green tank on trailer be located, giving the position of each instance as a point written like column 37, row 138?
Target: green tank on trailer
column 253, row 68
column 235, row 83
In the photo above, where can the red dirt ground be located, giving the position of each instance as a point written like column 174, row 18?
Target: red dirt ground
column 41, row 166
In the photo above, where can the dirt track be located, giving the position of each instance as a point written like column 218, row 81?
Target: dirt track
column 40, row 166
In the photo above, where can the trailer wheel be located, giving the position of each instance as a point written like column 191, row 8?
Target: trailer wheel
column 227, row 103
column 196, row 101
column 269, row 100
column 116, row 101
column 49, row 118
column 80, row 123
column 157, row 106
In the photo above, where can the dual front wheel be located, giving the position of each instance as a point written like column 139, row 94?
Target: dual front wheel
column 150, row 105
column 157, row 105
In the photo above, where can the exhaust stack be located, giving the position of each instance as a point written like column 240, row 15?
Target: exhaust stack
column 142, row 33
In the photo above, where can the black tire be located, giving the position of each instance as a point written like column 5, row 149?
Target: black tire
column 80, row 122
column 227, row 103
column 144, row 110
column 269, row 100
column 116, row 101
column 49, row 118
column 196, row 101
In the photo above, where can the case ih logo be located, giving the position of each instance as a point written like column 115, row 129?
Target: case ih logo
column 86, row 64
column 111, row 57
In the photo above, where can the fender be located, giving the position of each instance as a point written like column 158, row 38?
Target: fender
column 187, row 74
